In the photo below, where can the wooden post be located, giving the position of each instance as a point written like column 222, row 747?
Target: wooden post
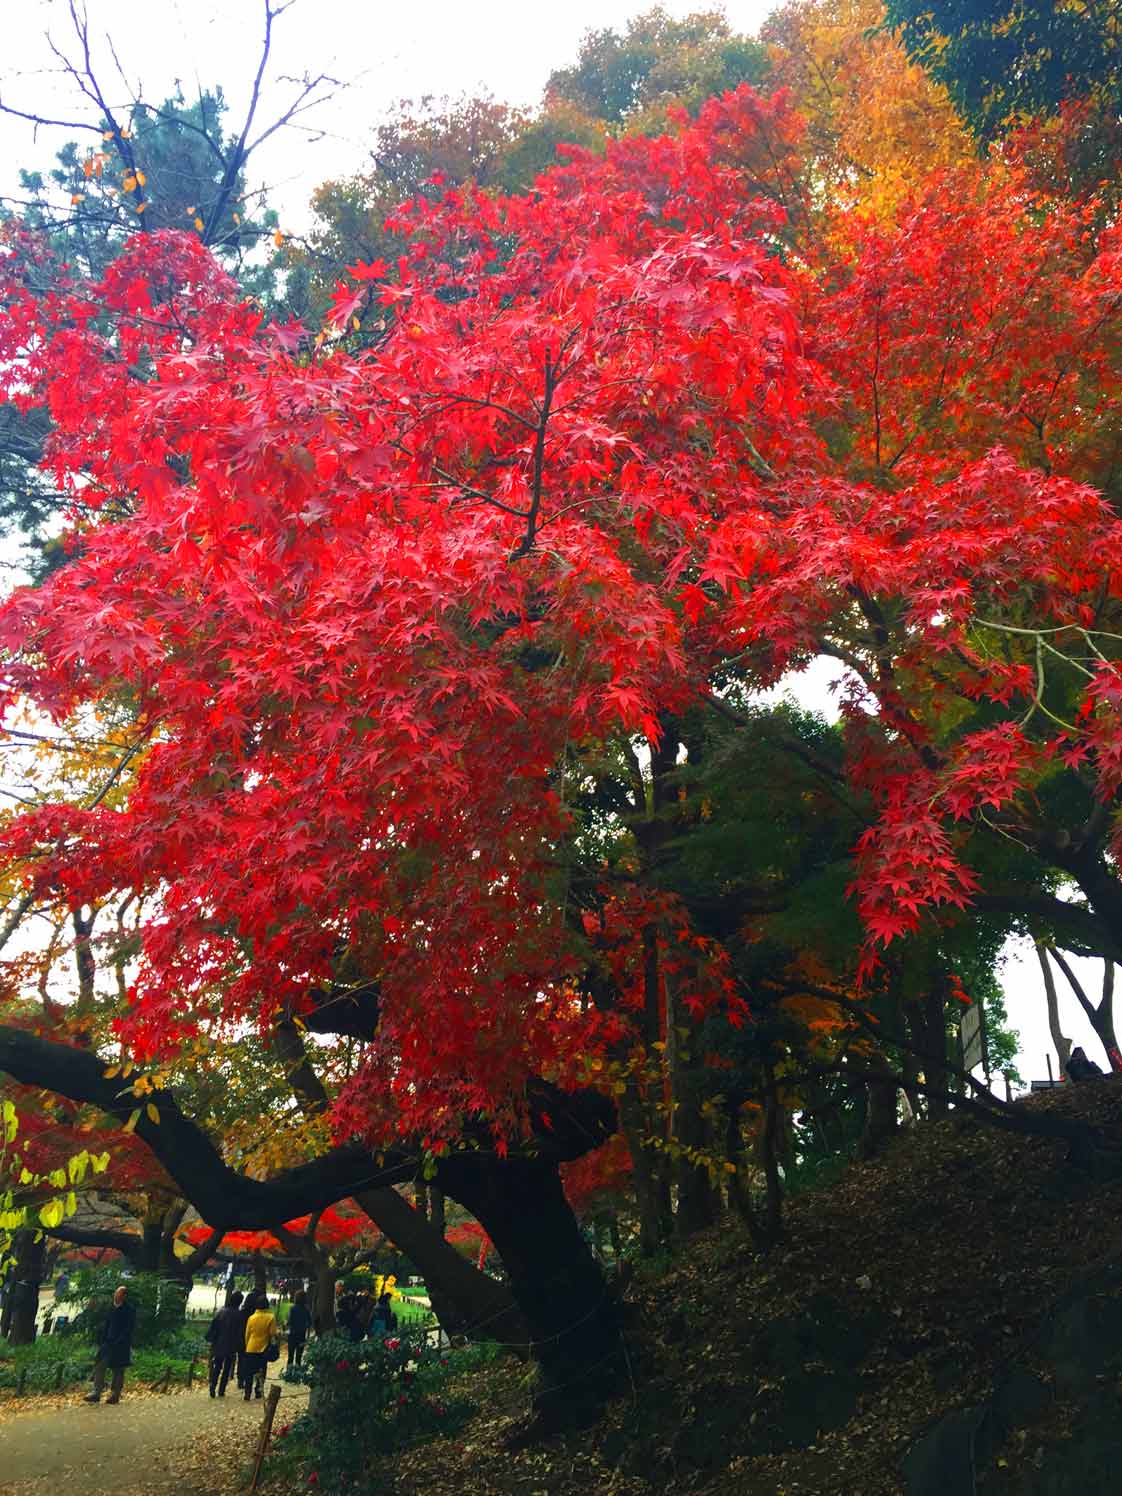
column 1048, row 1057
column 191, row 1374
column 21, row 1381
column 266, row 1429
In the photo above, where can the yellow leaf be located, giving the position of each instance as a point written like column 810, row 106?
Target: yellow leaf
column 129, row 184
column 141, row 178
column 153, row 1114
column 278, row 238
column 52, row 1213
column 75, row 197
column 355, row 323
column 87, row 167
column 237, row 220
column 134, row 1118
column 141, row 207
column 199, row 224
column 107, row 135
column 111, row 1072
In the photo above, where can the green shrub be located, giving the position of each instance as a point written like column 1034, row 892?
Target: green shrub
column 159, row 1302
column 367, row 1400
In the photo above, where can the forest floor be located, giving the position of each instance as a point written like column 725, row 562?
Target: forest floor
column 150, row 1444
column 901, row 1291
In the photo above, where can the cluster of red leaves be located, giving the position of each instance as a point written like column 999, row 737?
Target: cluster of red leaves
column 363, row 600
column 335, row 1227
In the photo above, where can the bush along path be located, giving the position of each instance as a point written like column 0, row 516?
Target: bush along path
column 150, row 1444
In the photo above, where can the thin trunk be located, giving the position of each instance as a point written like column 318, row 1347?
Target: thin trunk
column 651, row 1195
column 324, row 1302
column 935, row 1049
column 1101, row 1018
column 881, row 1117
column 1060, row 1042
column 773, row 1218
column 696, row 1204
column 436, row 1211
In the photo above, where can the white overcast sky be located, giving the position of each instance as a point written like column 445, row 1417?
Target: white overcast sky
column 381, row 53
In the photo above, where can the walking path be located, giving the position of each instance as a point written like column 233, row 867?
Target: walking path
column 150, row 1444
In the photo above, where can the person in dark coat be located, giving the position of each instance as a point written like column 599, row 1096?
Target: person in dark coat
column 1080, row 1068
column 248, row 1306
column 226, row 1337
column 299, row 1323
column 114, row 1347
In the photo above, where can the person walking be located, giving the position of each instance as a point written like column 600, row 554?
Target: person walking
column 384, row 1320
column 299, row 1323
column 261, row 1335
column 247, row 1308
column 114, row 1347
column 226, row 1336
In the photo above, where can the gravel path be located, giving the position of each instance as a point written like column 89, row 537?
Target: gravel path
column 149, row 1444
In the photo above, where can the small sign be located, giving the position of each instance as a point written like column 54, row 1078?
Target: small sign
column 1044, row 1085
column 972, row 1036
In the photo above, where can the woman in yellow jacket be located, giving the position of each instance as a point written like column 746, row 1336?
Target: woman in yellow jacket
column 260, row 1333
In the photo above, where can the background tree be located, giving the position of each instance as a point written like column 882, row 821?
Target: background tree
column 1003, row 64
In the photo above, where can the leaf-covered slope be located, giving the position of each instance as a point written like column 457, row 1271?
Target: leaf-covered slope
column 905, row 1291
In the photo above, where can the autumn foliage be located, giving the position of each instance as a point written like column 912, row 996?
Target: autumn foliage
column 608, row 452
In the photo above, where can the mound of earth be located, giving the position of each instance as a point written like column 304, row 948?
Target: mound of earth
column 945, row 1319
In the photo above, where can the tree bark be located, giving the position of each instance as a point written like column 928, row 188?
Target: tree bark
column 465, row 1301
column 1061, row 1043
column 881, row 1117
column 564, row 1296
column 27, row 1281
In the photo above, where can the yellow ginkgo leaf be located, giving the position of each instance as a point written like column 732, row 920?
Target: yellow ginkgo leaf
column 199, row 224
column 140, row 177
column 129, row 184
column 153, row 1113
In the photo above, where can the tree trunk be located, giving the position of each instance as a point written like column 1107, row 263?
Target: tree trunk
column 881, row 1117
column 558, row 1284
column 466, row 1301
column 436, row 1211
column 696, row 1203
column 1060, row 1041
column 27, row 1280
column 648, row 1178
column 324, row 1305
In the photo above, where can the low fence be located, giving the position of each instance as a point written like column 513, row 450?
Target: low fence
column 57, row 1376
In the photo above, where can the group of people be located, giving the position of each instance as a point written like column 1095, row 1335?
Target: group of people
column 360, row 1314
column 245, row 1335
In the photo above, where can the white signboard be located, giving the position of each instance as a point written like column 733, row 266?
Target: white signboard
column 972, row 1036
